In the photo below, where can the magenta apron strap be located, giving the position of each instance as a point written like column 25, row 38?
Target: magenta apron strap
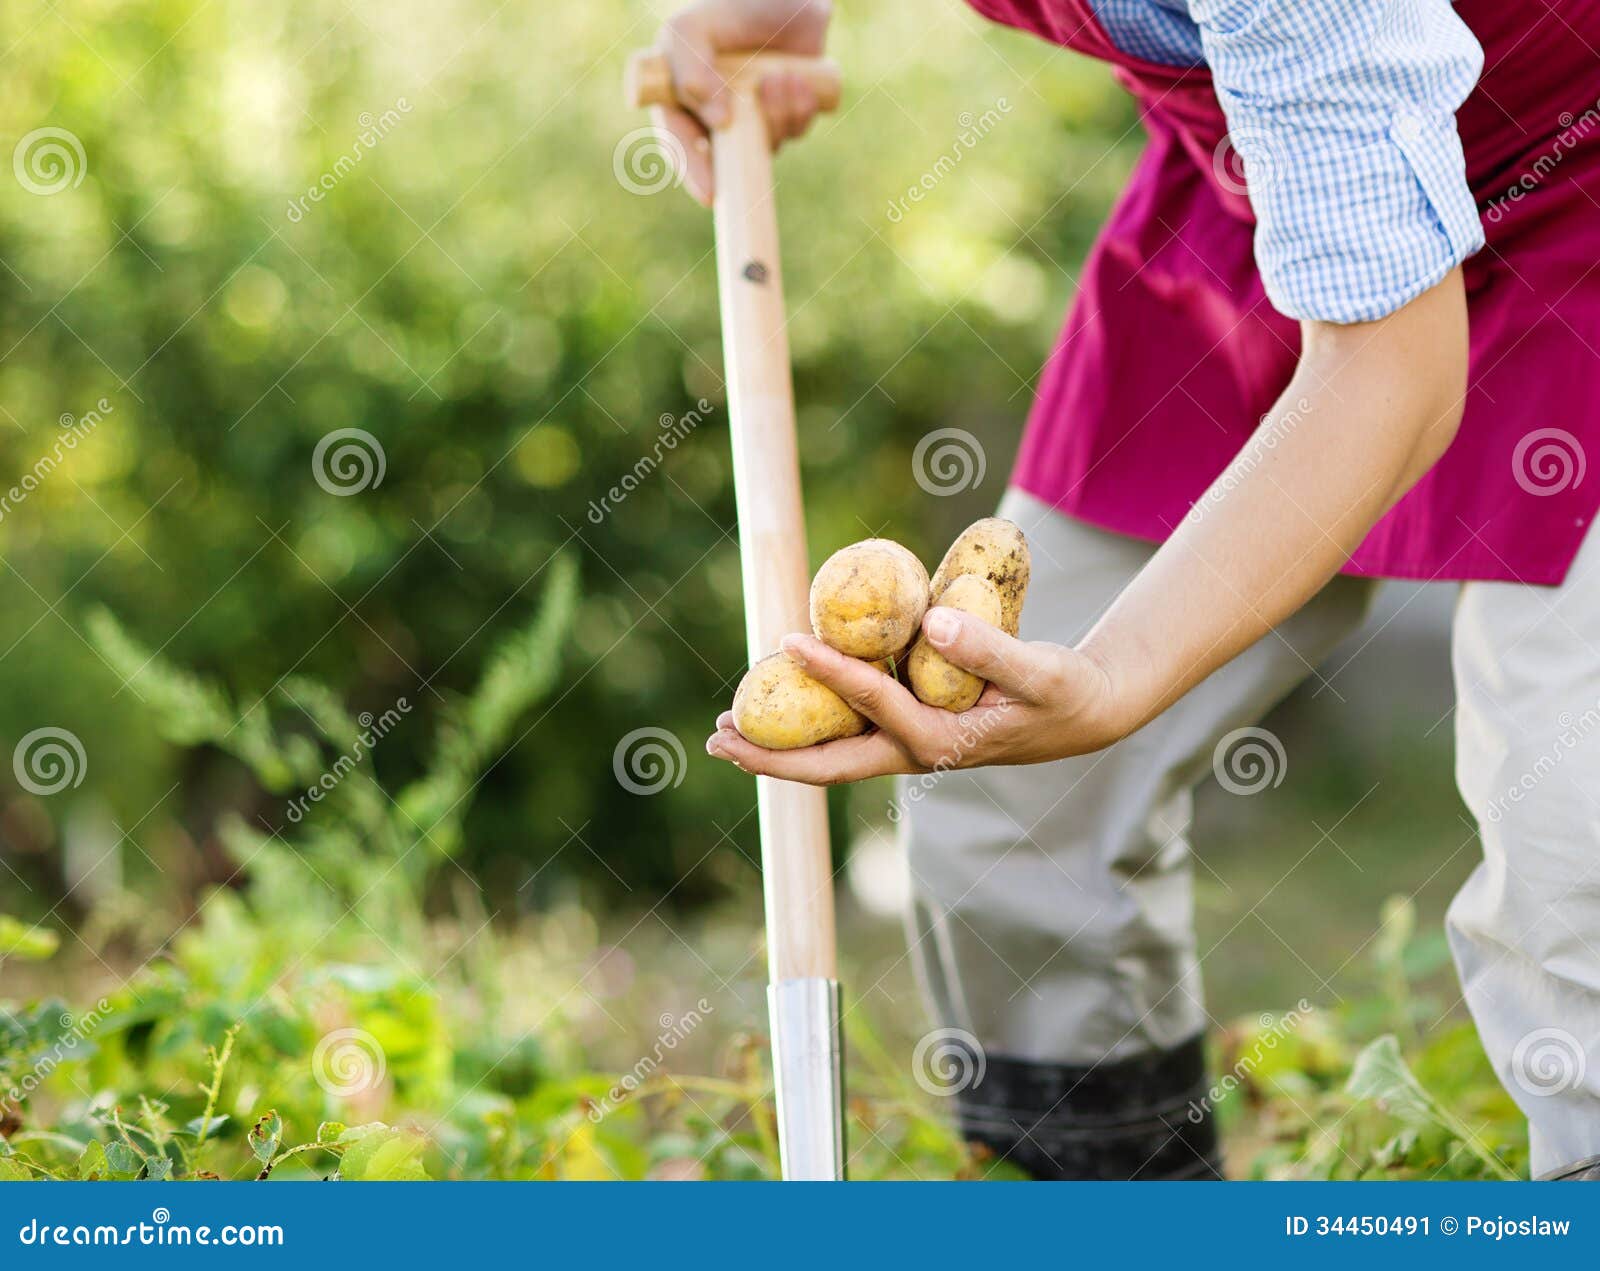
column 1072, row 24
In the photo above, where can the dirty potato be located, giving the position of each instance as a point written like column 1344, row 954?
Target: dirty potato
column 868, row 599
column 934, row 679
column 780, row 707
column 995, row 549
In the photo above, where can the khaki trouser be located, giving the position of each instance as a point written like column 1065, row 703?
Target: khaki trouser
column 1052, row 907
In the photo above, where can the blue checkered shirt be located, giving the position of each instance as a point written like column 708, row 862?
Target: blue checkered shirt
column 1343, row 114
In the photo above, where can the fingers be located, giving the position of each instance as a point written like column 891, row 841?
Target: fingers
column 688, row 147
column 691, row 49
column 789, row 104
column 1020, row 668
column 853, row 759
column 865, row 689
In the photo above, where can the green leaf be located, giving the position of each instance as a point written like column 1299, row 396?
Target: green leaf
column 189, row 710
column 122, row 1159
column 383, row 1155
column 265, row 1136
column 31, row 943
column 11, row 1172
column 157, row 1169
column 195, row 1125
column 330, row 1131
column 1380, row 1073
column 92, row 1162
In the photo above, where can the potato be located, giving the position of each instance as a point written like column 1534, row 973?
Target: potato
column 996, row 550
column 868, row 599
column 933, row 678
column 780, row 707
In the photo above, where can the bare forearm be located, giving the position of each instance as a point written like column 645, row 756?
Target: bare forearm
column 1368, row 412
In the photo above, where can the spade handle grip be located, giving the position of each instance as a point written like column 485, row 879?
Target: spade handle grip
column 649, row 77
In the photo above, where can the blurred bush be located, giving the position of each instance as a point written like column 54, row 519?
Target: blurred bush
column 473, row 286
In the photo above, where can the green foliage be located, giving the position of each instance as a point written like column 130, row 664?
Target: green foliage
column 483, row 296
column 19, row 940
column 246, row 1089
column 343, row 833
column 1332, row 1104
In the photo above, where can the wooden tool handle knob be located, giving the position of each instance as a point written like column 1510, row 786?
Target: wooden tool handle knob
column 649, row 77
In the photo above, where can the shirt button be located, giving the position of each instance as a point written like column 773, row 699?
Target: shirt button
column 1407, row 126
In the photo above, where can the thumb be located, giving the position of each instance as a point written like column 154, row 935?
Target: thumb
column 1031, row 671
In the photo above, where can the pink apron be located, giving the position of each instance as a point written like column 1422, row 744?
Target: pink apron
column 1172, row 353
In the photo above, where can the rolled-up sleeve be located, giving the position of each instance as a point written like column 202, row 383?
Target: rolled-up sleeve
column 1344, row 116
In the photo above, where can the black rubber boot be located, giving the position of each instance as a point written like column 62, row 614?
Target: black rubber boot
column 1143, row 1118
column 1585, row 1171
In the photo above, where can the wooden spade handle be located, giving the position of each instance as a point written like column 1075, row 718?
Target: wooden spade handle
column 797, row 868
column 648, row 81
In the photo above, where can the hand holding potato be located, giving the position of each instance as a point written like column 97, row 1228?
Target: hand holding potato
column 977, row 694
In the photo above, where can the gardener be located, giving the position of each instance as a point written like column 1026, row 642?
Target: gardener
column 1294, row 389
